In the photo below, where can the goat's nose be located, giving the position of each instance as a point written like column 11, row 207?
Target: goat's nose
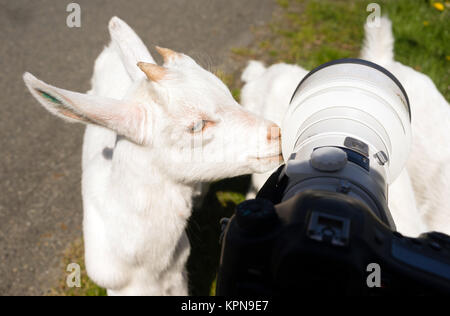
column 273, row 132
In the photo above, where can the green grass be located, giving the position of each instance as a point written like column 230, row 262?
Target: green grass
column 422, row 39
column 310, row 33
column 75, row 254
column 307, row 33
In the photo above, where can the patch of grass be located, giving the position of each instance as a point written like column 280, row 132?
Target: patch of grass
column 230, row 80
column 308, row 33
column 75, row 254
column 243, row 51
column 422, row 39
column 227, row 197
column 313, row 32
column 283, row 3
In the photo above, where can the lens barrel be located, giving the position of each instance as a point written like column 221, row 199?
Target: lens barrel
column 351, row 99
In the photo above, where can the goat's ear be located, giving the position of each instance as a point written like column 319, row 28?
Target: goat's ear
column 127, row 118
column 131, row 48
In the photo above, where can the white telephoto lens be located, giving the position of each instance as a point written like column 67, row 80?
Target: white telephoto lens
column 351, row 98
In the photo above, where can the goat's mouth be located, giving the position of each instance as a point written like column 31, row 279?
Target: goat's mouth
column 274, row 157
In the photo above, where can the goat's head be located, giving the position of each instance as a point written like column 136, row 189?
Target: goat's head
column 181, row 115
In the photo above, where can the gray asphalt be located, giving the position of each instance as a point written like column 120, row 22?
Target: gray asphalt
column 40, row 199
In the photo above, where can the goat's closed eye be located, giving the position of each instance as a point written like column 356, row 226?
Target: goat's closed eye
column 199, row 126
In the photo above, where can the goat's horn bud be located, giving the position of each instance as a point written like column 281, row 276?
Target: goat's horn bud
column 152, row 71
column 167, row 54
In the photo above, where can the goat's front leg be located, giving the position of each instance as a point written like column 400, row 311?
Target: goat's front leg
column 174, row 279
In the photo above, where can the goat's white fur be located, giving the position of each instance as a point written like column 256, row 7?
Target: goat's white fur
column 420, row 197
column 137, row 201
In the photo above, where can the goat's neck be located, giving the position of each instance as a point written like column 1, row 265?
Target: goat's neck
column 143, row 187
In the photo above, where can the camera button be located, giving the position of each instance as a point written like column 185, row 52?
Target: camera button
column 328, row 159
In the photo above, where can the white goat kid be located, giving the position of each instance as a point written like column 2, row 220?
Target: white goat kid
column 267, row 91
column 151, row 136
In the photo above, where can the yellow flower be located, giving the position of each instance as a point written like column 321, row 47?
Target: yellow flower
column 438, row 6
column 447, row 57
column 426, row 23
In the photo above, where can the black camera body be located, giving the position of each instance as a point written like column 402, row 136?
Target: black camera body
column 321, row 242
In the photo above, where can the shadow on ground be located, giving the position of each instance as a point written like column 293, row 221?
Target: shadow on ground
column 204, row 231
